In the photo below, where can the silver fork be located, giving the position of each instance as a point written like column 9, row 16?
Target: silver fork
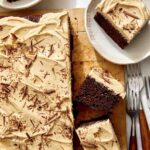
column 134, row 85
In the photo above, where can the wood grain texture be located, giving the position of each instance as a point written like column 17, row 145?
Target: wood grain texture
column 145, row 133
column 84, row 57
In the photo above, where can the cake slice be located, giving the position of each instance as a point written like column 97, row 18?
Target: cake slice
column 98, row 135
column 100, row 90
column 122, row 20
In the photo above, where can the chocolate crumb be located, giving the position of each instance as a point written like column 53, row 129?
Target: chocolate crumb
column 40, row 146
column 24, row 105
column 38, row 42
column 41, row 63
column 4, row 120
column 14, row 36
column 35, row 129
column 1, row 28
column 32, row 122
column 24, row 91
column 49, row 91
column 5, row 38
column 88, row 145
column 38, row 78
column 31, row 46
column 51, row 51
column 131, row 15
column 28, row 136
column 46, row 74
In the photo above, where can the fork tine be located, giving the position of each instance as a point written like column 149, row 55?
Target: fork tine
column 139, row 69
column 133, row 70
column 129, row 98
column 134, row 67
column 146, row 81
column 128, row 70
column 149, row 86
column 135, row 101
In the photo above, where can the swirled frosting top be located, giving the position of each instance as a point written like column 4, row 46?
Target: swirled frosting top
column 98, row 135
column 127, row 16
column 35, row 83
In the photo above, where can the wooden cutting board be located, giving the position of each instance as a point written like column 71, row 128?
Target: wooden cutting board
column 83, row 58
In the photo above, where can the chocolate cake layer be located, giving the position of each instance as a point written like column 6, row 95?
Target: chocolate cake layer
column 96, row 95
column 110, row 30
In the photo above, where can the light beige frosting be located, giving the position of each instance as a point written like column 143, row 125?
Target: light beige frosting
column 108, row 81
column 35, row 85
column 98, row 135
column 127, row 16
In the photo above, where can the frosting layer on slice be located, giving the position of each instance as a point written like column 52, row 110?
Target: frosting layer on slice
column 108, row 81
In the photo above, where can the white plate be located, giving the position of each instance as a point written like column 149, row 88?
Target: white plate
column 20, row 4
column 137, row 51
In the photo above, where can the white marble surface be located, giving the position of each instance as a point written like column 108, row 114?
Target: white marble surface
column 50, row 4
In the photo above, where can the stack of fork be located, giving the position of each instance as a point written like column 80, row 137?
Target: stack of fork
column 134, row 88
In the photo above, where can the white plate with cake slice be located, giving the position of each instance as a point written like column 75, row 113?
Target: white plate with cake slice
column 18, row 4
column 136, row 51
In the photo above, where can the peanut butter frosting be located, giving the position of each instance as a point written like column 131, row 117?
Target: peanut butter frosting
column 127, row 16
column 98, row 135
column 108, row 81
column 35, row 85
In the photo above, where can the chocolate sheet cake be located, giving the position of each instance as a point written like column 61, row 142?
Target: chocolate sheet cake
column 100, row 90
column 35, row 83
column 122, row 20
column 98, row 135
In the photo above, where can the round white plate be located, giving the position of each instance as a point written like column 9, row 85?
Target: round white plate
column 20, row 4
column 138, row 50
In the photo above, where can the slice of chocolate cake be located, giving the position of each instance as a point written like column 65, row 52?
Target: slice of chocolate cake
column 100, row 90
column 98, row 135
column 122, row 20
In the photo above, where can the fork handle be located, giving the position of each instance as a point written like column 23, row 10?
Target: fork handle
column 133, row 142
column 145, row 133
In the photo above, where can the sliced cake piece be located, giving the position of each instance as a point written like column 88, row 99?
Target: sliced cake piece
column 122, row 20
column 100, row 90
column 98, row 135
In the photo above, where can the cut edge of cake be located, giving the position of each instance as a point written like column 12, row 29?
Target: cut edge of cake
column 100, row 90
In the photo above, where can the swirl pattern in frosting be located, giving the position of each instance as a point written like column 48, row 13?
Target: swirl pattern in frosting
column 35, row 85
column 127, row 16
